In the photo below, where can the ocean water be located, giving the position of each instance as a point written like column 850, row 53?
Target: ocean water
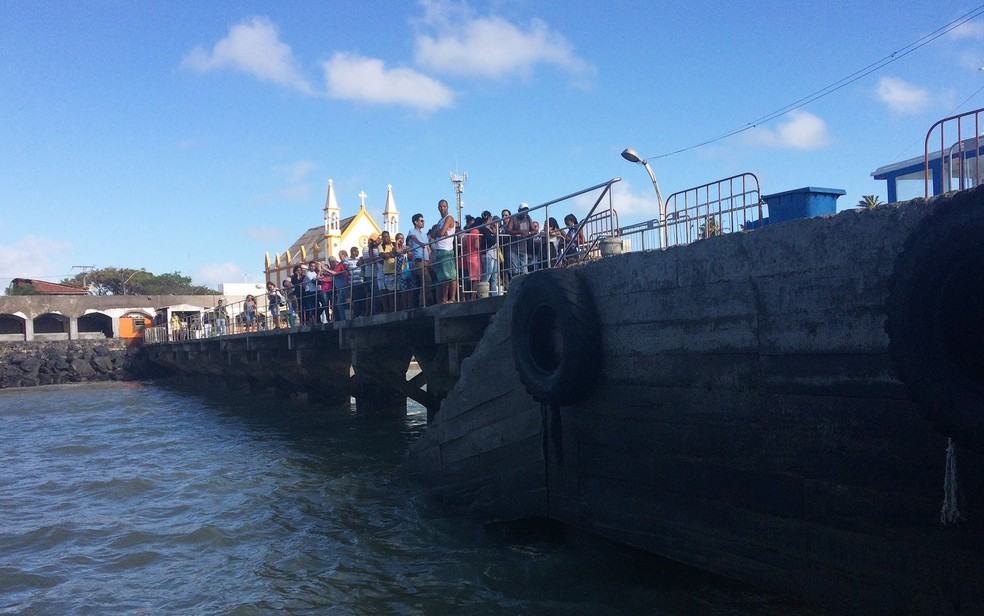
column 142, row 499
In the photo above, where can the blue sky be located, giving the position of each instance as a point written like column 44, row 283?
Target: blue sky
column 197, row 136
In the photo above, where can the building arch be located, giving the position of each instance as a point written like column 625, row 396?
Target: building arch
column 52, row 326
column 13, row 327
column 93, row 323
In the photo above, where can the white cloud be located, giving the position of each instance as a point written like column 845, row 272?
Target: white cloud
column 267, row 235
column 214, row 274
column 353, row 77
column 490, row 46
column 969, row 30
column 902, row 96
column 632, row 204
column 296, row 171
column 295, row 193
column 801, row 130
column 29, row 258
column 255, row 48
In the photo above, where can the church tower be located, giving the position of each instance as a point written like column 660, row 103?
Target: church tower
column 333, row 231
column 391, row 217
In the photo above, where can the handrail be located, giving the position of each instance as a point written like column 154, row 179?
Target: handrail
column 946, row 154
column 726, row 205
column 323, row 307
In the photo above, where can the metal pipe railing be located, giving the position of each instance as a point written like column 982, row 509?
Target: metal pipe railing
column 731, row 204
column 493, row 251
column 953, row 159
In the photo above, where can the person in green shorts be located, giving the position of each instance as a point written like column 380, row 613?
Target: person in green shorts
column 443, row 263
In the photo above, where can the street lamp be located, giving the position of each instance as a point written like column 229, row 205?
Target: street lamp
column 131, row 276
column 630, row 155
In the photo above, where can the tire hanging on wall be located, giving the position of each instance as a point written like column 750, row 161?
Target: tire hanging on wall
column 935, row 319
column 556, row 337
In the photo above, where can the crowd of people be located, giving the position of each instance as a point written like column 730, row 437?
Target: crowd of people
column 440, row 264
column 444, row 263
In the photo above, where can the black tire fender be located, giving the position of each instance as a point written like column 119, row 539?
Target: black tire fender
column 935, row 317
column 556, row 337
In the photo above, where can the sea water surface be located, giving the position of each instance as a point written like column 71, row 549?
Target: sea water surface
column 142, row 499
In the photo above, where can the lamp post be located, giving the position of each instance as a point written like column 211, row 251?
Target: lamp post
column 129, row 277
column 630, row 155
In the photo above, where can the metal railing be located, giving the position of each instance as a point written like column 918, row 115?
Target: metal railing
column 486, row 257
column 959, row 163
column 715, row 208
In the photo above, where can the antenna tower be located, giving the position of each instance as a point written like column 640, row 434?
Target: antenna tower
column 458, row 181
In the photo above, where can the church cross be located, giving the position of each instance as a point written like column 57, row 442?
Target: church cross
column 362, row 195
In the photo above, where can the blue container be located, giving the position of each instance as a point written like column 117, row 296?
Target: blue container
column 802, row 203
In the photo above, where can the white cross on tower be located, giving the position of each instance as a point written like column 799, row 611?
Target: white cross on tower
column 362, row 195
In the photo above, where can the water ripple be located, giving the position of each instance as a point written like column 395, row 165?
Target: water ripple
column 133, row 499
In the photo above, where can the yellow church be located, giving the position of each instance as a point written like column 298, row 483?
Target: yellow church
column 337, row 233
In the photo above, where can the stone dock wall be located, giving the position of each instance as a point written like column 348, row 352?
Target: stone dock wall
column 29, row 364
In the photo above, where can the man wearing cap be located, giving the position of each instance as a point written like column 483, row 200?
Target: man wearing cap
column 444, row 266
column 518, row 228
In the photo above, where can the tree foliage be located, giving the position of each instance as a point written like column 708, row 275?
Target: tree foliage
column 869, row 201
column 128, row 281
column 24, row 289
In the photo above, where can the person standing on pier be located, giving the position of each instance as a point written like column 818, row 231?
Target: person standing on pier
column 297, row 290
column 249, row 307
column 519, row 228
column 356, row 290
column 387, row 281
column 417, row 241
column 220, row 318
column 444, row 265
column 289, row 300
column 489, row 230
column 274, row 301
column 371, row 273
column 311, row 287
column 341, row 286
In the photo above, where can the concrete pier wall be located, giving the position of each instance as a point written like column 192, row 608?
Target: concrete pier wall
column 751, row 416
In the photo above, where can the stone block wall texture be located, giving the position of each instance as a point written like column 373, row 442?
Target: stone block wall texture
column 29, row 364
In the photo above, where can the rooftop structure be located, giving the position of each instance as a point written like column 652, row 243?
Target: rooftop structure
column 337, row 233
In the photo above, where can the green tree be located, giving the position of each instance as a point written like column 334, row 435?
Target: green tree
column 709, row 229
column 131, row 281
column 869, row 201
column 24, row 289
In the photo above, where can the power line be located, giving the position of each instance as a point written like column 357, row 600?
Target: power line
column 840, row 83
column 952, row 112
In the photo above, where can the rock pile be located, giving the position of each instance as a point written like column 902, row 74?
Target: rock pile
column 28, row 364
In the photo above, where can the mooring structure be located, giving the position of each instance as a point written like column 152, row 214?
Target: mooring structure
column 367, row 359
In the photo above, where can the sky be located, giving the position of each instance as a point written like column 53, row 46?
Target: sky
column 196, row 137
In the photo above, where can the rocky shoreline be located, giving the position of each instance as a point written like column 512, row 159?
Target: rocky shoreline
column 30, row 364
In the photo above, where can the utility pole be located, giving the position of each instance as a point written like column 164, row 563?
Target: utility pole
column 85, row 274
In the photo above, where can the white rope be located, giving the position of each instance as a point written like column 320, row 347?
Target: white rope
column 950, row 513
